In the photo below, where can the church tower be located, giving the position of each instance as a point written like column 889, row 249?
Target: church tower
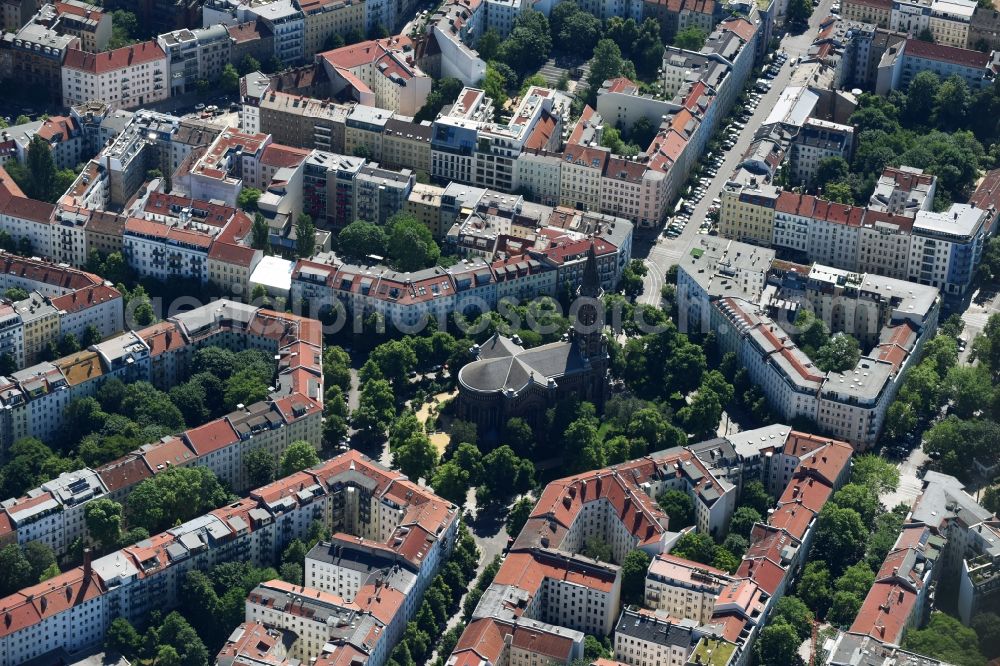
column 591, row 336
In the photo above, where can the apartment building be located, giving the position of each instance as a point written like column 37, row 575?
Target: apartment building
column 683, row 589
column 219, row 172
column 877, row 12
column 946, row 247
column 454, row 26
column 407, row 145
column 642, row 637
column 137, row 579
column 615, row 506
column 322, row 19
column 816, row 141
column 902, row 61
column 747, row 212
column 286, row 23
column 379, row 73
column 903, row 191
column 897, row 235
column 15, row 13
column 950, row 21
column 195, row 55
column 721, row 288
column 299, row 121
column 26, row 220
column 37, row 397
column 37, row 54
column 123, row 78
column 78, row 19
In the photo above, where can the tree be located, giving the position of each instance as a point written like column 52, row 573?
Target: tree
column 249, row 64
column 360, row 239
column 844, row 608
column 743, row 520
column 260, row 233
column 920, row 96
column 755, row 496
column 15, row 570
column 175, row 632
column 840, row 353
column 678, row 506
column 176, row 494
column 416, row 457
column 778, row 643
column 15, row 294
column 579, row 33
column 528, row 44
column 104, row 519
column 40, row 558
column 831, row 170
column 606, row 64
column 259, row 465
column 795, row 613
column 583, row 446
column 634, row 568
column 696, row 547
column 305, row 236
column 814, row 587
column 861, row 498
column 857, row 579
column 488, row 44
column 875, row 472
column 840, row 536
column 122, row 638
column 702, row 416
column 394, row 360
column 951, row 103
column 247, row 199
column 519, row 435
column 945, row 638
column 41, row 169
column 504, row 473
column 799, row 11
column 230, row 79
column 451, row 482
column 518, row 515
column 410, row 244
column 987, row 627
column 376, row 408
column 245, row 388
column 443, row 91
column 969, row 389
column 297, row 457
column 691, row 38
column 91, row 336
column 598, row 549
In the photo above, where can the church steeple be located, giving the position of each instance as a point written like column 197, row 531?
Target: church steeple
column 591, row 284
column 590, row 333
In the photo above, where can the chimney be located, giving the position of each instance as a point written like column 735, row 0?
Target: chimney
column 88, row 553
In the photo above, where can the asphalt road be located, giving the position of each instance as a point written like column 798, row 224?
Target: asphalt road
column 666, row 252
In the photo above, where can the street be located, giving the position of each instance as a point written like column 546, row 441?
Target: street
column 667, row 252
column 982, row 305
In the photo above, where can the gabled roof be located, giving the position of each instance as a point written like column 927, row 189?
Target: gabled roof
column 127, row 56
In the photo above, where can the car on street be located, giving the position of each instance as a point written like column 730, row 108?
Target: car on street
column 199, row 107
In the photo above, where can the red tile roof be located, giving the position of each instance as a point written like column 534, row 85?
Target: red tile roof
column 84, row 298
column 920, row 49
column 277, row 155
column 127, row 56
column 212, row 436
column 886, row 612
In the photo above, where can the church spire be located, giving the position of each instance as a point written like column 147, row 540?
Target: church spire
column 591, row 284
